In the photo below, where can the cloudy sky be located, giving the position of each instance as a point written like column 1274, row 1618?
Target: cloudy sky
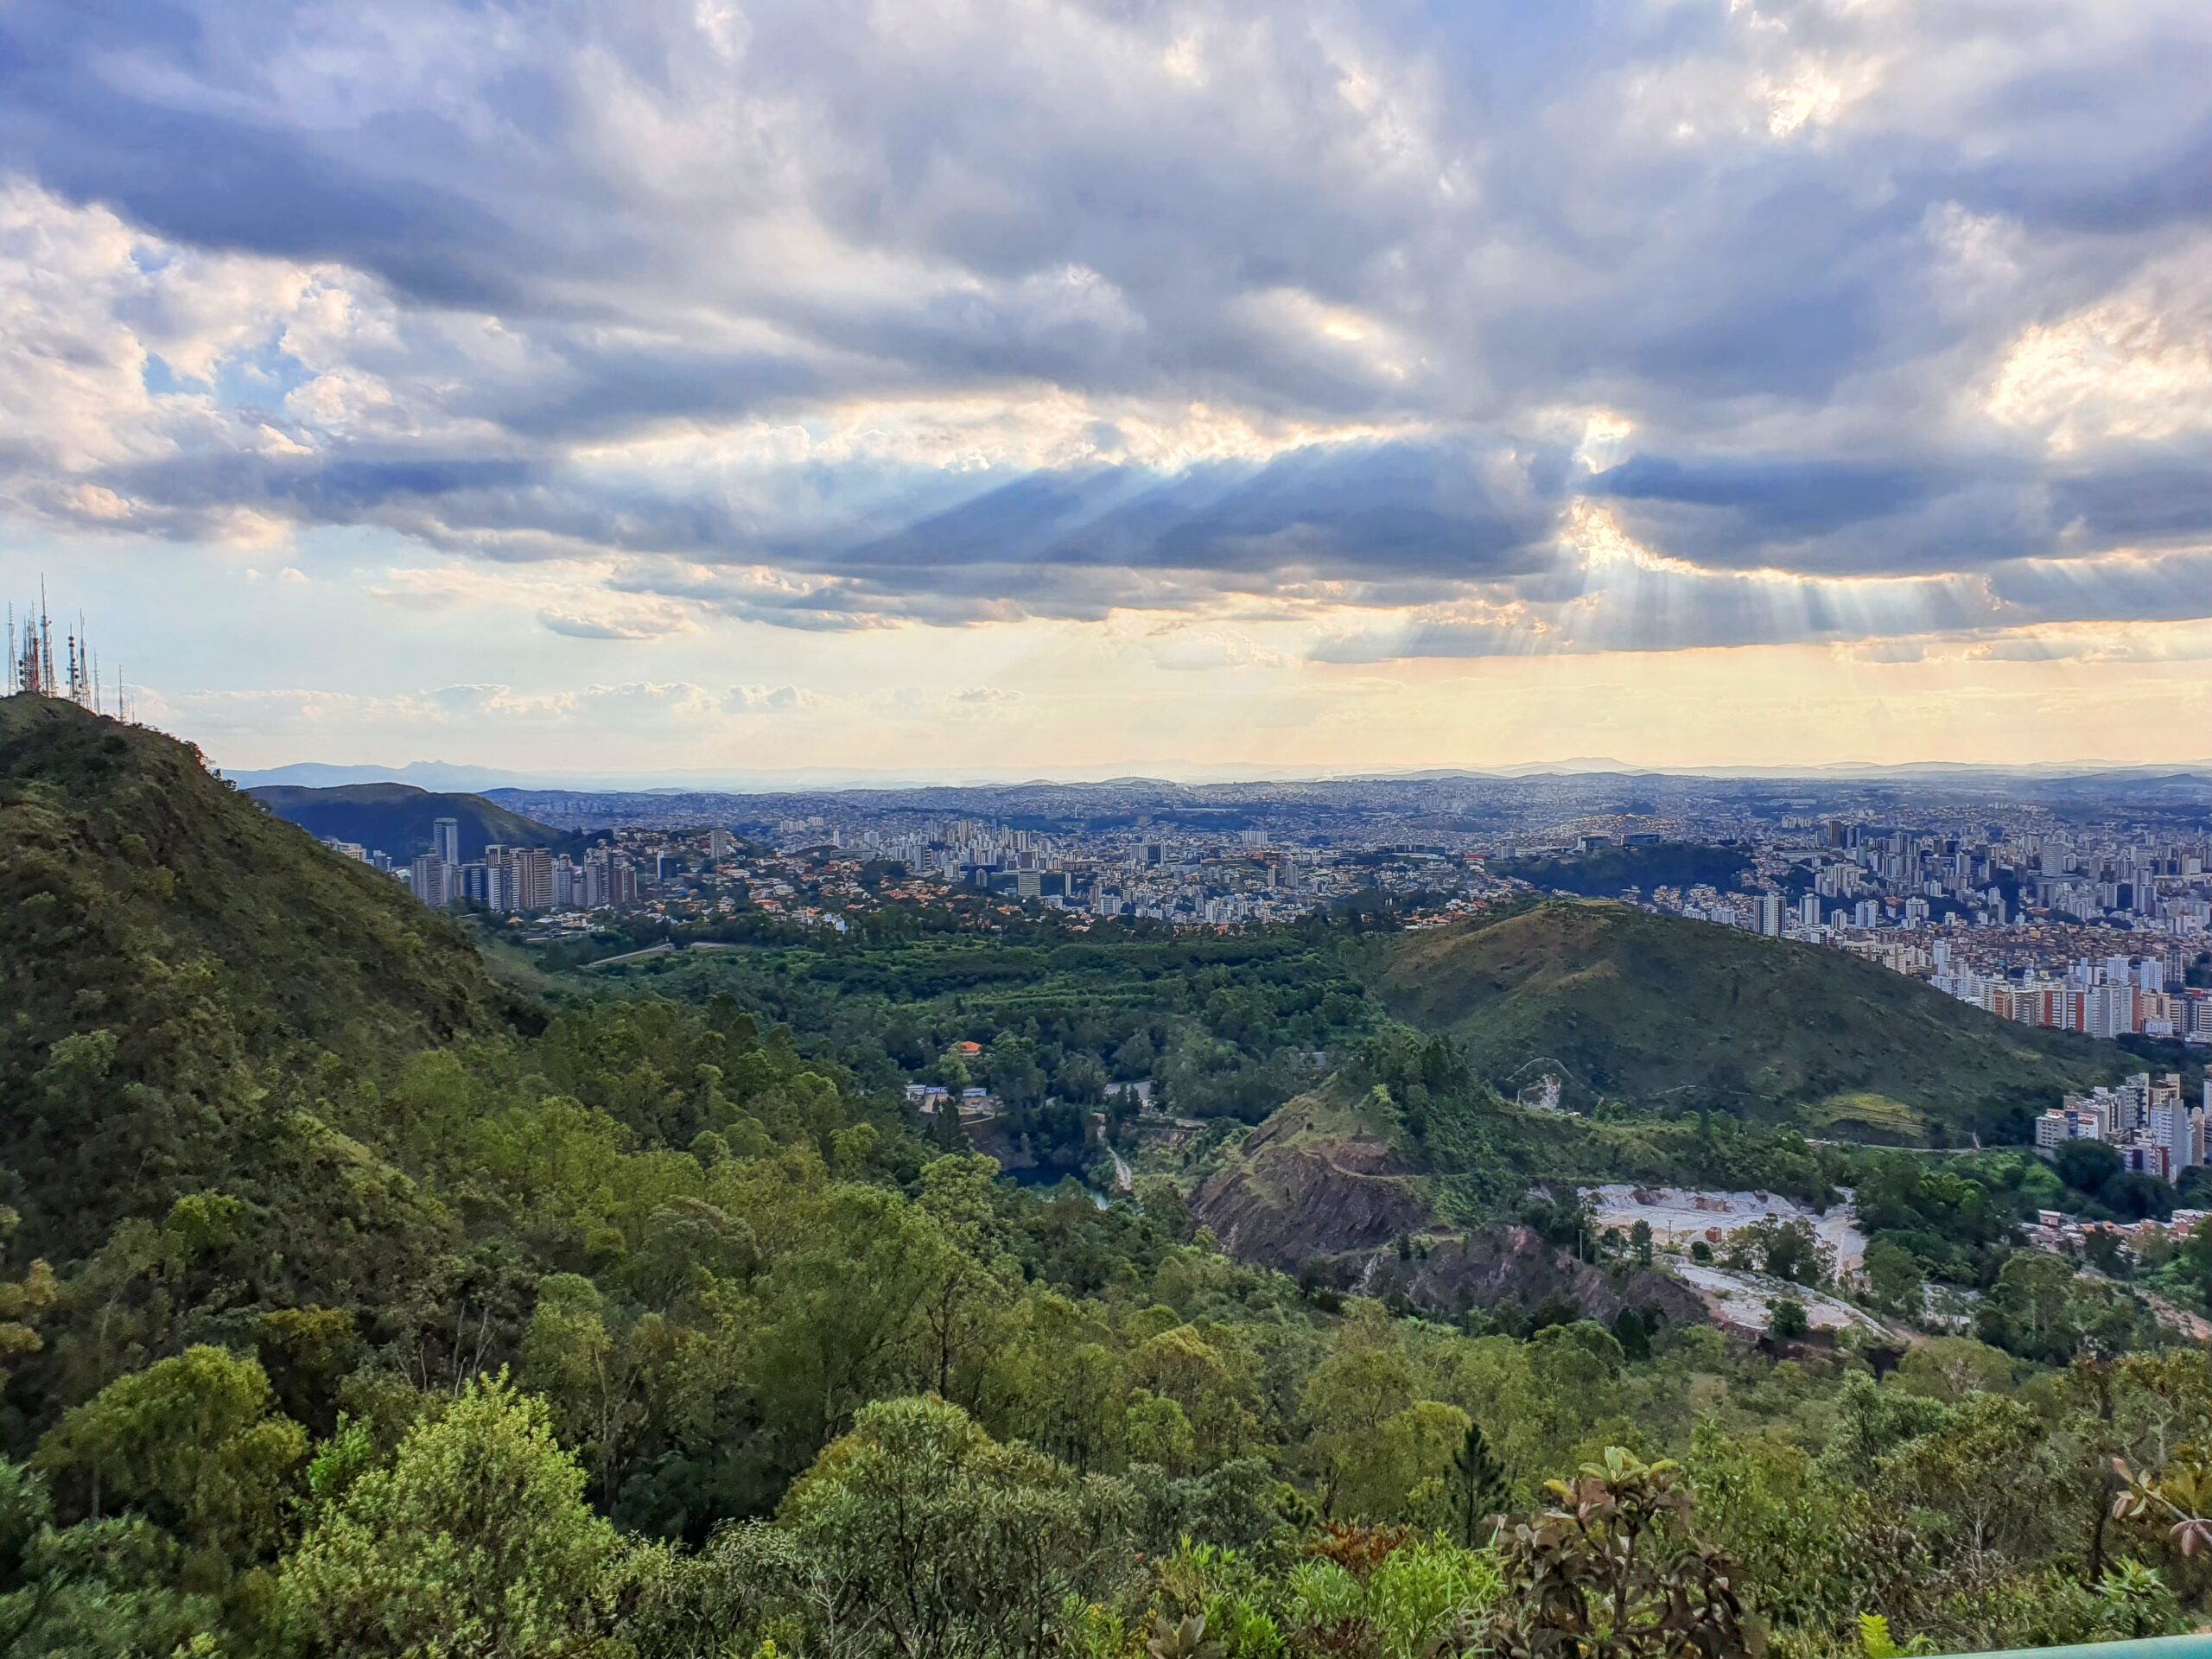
column 1078, row 385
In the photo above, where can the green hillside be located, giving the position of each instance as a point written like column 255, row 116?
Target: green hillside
column 168, row 945
column 1675, row 1013
column 397, row 818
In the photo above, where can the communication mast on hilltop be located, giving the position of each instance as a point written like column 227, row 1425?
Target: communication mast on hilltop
column 30, row 667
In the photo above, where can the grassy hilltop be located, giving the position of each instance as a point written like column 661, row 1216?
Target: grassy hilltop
column 1663, row 1011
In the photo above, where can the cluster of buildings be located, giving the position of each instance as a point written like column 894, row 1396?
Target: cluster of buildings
column 2054, row 1229
column 2145, row 1119
column 526, row 881
column 508, row 880
column 1998, row 890
column 2119, row 996
column 1235, row 876
column 2093, row 932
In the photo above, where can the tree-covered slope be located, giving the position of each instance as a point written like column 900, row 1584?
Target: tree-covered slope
column 169, row 944
column 1671, row 1013
column 398, row 818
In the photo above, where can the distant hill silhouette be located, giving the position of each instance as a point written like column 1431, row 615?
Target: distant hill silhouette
column 397, row 818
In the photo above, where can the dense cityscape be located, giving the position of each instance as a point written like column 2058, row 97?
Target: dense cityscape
column 2085, row 918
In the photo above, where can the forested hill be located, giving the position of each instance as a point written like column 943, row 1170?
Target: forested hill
column 398, row 818
column 1663, row 1011
column 167, row 943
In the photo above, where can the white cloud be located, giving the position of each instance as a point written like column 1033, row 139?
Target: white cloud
column 1791, row 321
column 2137, row 365
column 1200, row 649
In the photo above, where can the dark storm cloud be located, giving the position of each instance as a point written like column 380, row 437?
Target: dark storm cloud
column 1382, row 509
column 1787, row 247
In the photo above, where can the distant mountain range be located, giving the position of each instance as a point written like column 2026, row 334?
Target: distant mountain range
column 2189, row 779
column 398, row 818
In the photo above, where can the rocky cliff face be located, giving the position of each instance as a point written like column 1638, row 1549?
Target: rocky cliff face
column 1295, row 1190
column 1311, row 1186
column 1516, row 1264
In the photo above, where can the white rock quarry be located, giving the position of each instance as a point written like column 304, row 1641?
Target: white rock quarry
column 1680, row 1216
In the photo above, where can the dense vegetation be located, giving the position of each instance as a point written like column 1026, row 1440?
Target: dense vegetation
column 399, row 818
column 1222, row 1026
column 350, row 1310
column 185, row 977
column 1680, row 1016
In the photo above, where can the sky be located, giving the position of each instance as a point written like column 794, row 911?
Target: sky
column 915, row 387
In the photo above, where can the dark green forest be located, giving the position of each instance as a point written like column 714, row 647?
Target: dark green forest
column 357, row 1303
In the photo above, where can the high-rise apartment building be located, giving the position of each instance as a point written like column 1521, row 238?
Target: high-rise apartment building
column 533, row 875
column 431, row 878
column 445, row 839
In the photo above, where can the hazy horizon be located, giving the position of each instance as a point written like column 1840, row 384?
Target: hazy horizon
column 462, row 777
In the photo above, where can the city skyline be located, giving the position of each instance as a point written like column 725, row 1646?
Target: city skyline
column 1062, row 390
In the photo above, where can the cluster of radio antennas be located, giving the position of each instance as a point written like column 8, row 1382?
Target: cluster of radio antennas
column 31, row 668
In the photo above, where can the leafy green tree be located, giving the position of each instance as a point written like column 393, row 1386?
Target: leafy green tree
column 1423, row 1597
column 107, row 1586
column 1349, row 1397
column 23, row 1302
column 1182, row 1366
column 1793, row 1525
column 2195, row 1259
column 2133, row 1603
column 475, row 1542
column 2030, row 1309
column 1154, row 1430
column 592, row 1377
column 194, row 1442
column 1893, row 1278
column 837, row 1312
column 1411, row 1452
column 307, row 1352
column 2086, row 1165
column 1788, row 1250
column 1985, row 1479
column 1786, row 1319
column 1612, row 1570
column 942, row 1543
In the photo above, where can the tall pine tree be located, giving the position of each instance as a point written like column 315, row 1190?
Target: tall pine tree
column 1478, row 1485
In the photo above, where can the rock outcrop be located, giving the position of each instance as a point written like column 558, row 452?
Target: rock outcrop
column 1295, row 1191
column 1497, row 1265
